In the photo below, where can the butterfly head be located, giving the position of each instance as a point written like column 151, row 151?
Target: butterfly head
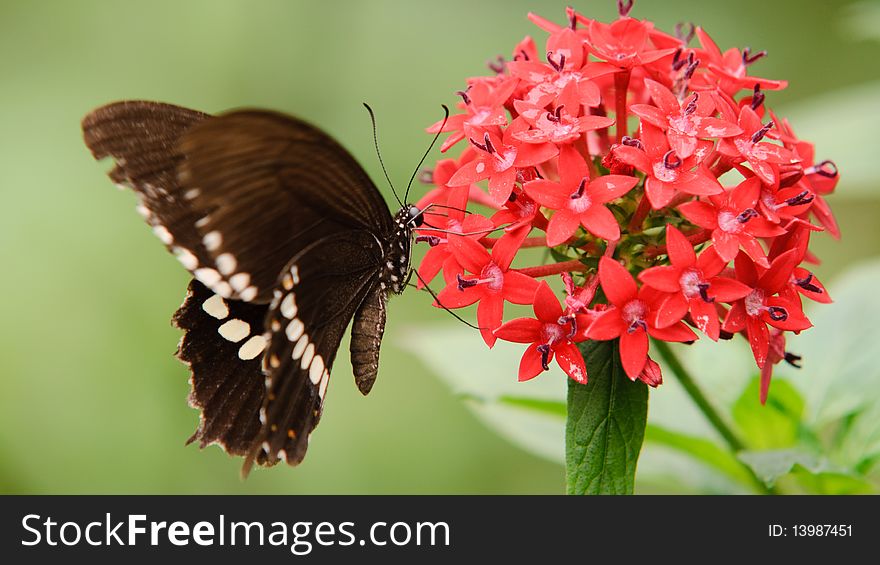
column 415, row 216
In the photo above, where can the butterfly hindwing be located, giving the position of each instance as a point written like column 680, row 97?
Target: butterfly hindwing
column 223, row 344
column 319, row 292
column 271, row 185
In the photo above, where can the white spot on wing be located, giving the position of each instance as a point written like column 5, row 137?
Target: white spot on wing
column 234, row 330
column 163, row 234
column 288, row 306
column 186, row 258
column 300, row 347
column 316, row 369
column 212, row 240
column 240, row 281
column 294, row 274
column 192, row 194
column 248, row 294
column 208, row 277
column 226, row 263
column 322, row 389
column 252, row 347
column 216, row 307
column 295, row 330
column 202, row 222
column 307, row 356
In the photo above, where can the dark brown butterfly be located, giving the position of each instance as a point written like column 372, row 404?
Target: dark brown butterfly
column 288, row 241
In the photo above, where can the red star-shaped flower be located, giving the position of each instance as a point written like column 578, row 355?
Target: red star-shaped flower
column 633, row 317
column 734, row 221
column 761, row 307
column 498, row 159
column 684, row 123
column 549, row 334
column 691, row 284
column 492, row 281
column 579, row 201
column 667, row 174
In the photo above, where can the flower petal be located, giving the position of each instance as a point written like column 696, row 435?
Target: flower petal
column 562, row 226
column 470, row 254
column 633, row 352
column 701, row 213
column 520, row 330
column 680, row 250
column 519, row 288
column 671, row 310
column 599, row 221
column 665, row 278
column 547, row 308
column 610, row 187
column 608, row 325
column 490, row 312
column 705, row 317
column 569, row 358
column 530, row 365
column 677, row 332
column 617, row 283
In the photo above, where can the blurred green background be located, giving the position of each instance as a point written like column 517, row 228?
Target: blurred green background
column 91, row 398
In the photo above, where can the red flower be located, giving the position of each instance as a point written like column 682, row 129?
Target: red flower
column 734, row 221
column 548, row 338
column 683, row 123
column 633, row 317
column 729, row 69
column 748, row 146
column 624, row 43
column 760, row 307
column 493, row 282
column 563, row 125
column 498, row 159
column 579, row 201
column 666, row 173
column 483, row 102
column 691, row 284
column 566, row 64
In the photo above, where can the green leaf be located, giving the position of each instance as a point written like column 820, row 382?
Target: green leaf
column 704, row 450
column 606, row 425
column 771, row 426
column 771, row 464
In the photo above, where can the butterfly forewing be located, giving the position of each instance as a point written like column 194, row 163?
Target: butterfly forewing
column 271, row 185
column 142, row 138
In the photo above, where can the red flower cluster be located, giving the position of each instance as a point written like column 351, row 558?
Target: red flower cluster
column 671, row 197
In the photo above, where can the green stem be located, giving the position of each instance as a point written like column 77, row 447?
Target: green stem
column 709, row 411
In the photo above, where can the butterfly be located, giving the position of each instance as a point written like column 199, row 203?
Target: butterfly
column 288, row 241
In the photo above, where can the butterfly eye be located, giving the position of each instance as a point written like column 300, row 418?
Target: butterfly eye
column 415, row 216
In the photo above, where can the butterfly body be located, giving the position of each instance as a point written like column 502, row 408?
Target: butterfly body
column 288, row 241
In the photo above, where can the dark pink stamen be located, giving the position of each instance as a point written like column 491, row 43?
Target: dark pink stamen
column 759, row 135
column 580, row 189
column 671, row 160
column 757, row 97
column 826, row 168
column 748, row 58
column 746, row 215
column 777, row 313
column 558, row 66
column 544, row 349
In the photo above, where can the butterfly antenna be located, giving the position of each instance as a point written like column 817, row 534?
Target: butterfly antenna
column 440, row 304
column 425, row 156
column 379, row 154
